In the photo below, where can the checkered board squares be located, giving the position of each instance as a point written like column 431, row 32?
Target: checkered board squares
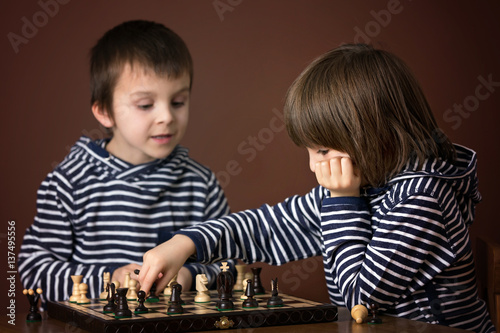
column 196, row 316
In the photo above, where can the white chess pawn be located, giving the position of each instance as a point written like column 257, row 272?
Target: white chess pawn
column 77, row 279
column 127, row 280
column 117, row 284
column 132, row 290
column 202, row 295
column 105, row 281
column 83, row 294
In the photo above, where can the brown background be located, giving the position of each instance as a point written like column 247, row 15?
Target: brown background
column 246, row 55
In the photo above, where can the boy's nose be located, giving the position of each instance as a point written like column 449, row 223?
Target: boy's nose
column 165, row 115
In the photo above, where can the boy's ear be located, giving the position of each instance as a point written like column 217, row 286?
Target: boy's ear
column 102, row 115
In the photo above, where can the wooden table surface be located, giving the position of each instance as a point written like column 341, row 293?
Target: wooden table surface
column 344, row 324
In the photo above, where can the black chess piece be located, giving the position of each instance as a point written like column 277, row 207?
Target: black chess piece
column 275, row 300
column 225, row 283
column 141, row 298
column 33, row 297
column 250, row 302
column 257, row 284
column 175, row 300
column 152, row 298
column 111, row 306
column 375, row 319
column 122, row 310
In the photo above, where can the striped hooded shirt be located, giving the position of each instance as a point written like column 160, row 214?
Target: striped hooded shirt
column 404, row 246
column 96, row 213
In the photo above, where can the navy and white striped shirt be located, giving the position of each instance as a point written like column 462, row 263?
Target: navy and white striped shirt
column 96, row 213
column 404, row 246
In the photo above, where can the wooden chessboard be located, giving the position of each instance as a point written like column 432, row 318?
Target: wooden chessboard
column 196, row 316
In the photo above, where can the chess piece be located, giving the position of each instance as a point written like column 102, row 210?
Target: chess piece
column 202, row 295
column 127, row 280
column 122, row 310
column 33, row 297
column 117, row 284
column 132, row 290
column 359, row 313
column 84, row 288
column 77, row 279
column 105, row 280
column 375, row 319
column 250, row 302
column 152, row 298
column 245, row 283
column 238, row 285
column 141, row 298
column 257, row 284
column 168, row 289
column 111, row 306
column 225, row 283
column 275, row 300
column 248, row 275
column 175, row 306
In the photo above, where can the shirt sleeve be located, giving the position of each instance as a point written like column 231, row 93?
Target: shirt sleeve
column 45, row 258
column 384, row 257
column 216, row 206
column 273, row 234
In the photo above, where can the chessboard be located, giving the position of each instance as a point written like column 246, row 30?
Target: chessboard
column 195, row 317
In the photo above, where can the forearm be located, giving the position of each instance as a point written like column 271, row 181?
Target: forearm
column 272, row 234
column 40, row 270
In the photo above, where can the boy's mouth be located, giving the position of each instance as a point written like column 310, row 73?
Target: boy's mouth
column 162, row 138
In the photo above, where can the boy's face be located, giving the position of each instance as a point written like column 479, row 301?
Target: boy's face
column 150, row 114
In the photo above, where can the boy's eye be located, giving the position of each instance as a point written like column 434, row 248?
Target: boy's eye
column 145, row 106
column 323, row 151
column 177, row 103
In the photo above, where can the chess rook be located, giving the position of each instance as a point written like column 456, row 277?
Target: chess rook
column 257, row 284
column 122, row 310
column 77, row 279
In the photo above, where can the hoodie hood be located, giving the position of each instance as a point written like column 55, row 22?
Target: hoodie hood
column 461, row 174
column 94, row 153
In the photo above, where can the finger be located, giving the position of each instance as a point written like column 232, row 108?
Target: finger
column 162, row 282
column 336, row 167
column 346, row 165
column 318, row 172
column 325, row 169
column 142, row 274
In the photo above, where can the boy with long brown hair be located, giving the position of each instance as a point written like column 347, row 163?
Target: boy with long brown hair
column 391, row 213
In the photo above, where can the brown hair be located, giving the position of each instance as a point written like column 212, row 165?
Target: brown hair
column 149, row 44
column 366, row 103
